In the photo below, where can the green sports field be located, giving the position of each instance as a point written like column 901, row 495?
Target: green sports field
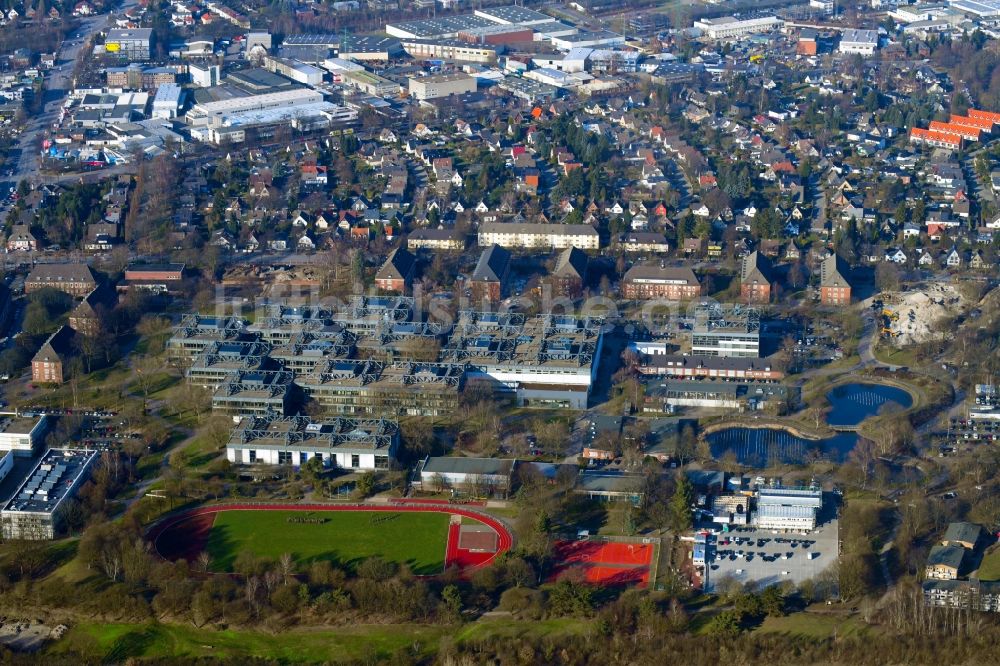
column 344, row 537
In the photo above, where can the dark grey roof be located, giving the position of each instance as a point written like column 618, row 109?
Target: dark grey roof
column 61, row 274
column 456, row 465
column 963, row 532
column 833, row 272
column 756, row 267
column 657, row 272
column 399, row 265
column 493, row 264
column 948, row 556
column 572, row 263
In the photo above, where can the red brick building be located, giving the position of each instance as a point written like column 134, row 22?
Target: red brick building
column 48, row 365
column 397, row 272
column 570, row 273
column 756, row 279
column 158, row 278
column 489, row 280
column 834, row 286
column 74, row 279
column 654, row 281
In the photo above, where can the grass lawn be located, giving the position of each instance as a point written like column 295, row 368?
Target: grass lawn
column 346, row 537
column 509, row 628
column 814, row 625
column 117, row 643
column 894, row 356
column 990, row 568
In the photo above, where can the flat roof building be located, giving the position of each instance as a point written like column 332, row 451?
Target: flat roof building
column 863, row 42
column 370, row 83
column 134, row 44
column 794, row 509
column 167, row 102
column 299, row 72
column 482, row 477
column 441, row 85
column 33, row 512
column 446, row 26
column 513, row 15
column 730, row 26
column 353, row 444
column 726, row 331
column 22, row 434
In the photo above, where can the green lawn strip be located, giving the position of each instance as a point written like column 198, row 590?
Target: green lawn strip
column 345, row 537
column 117, row 643
column 507, row 628
column 813, row 625
column 989, row 569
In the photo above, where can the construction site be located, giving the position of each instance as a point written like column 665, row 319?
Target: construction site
column 910, row 317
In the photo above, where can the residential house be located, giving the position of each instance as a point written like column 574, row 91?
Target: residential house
column 966, row 535
column 644, row 241
column 953, row 259
column 21, row 239
column 895, row 255
column 447, row 240
column 945, row 562
column 537, row 235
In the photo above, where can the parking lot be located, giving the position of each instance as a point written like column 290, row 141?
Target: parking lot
column 767, row 557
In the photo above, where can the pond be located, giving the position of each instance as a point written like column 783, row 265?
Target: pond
column 762, row 447
column 850, row 405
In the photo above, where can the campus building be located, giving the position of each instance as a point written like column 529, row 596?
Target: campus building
column 657, row 281
column 542, row 361
column 708, row 367
column 834, row 286
column 367, row 387
column 481, row 477
column 756, row 278
column 74, row 279
column 727, row 332
column 22, row 434
column 254, row 392
column 489, row 279
column 33, row 513
column 793, row 509
column 221, row 359
column 353, row 444
column 196, row 333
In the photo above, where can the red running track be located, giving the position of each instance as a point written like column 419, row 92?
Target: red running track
column 466, row 560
